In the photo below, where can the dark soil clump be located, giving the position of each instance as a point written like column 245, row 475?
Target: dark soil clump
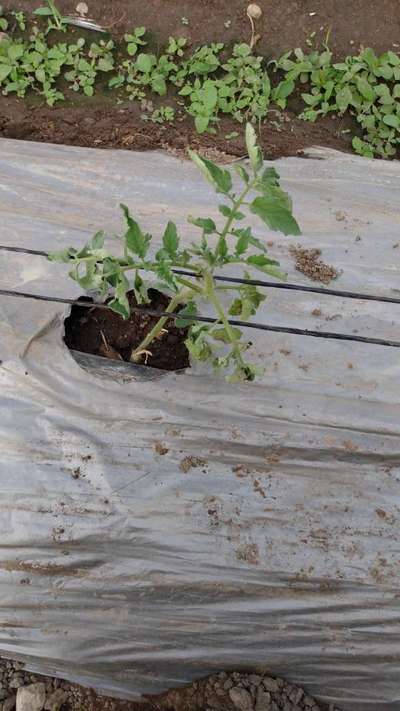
column 103, row 332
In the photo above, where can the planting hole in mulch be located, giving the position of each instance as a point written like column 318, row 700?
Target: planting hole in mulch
column 103, row 332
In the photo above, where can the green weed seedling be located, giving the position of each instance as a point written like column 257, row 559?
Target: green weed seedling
column 19, row 19
column 55, row 20
column 135, row 40
column 165, row 114
column 3, row 20
column 216, row 247
column 366, row 86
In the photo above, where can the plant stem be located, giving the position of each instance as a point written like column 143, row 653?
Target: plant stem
column 156, row 330
column 236, row 204
column 211, row 293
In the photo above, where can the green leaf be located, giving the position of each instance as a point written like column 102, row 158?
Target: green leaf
column 197, row 344
column 392, row 120
column 225, row 210
column 243, row 173
column 40, row 75
column 165, row 273
column 222, row 248
column 270, row 176
column 343, row 98
column 242, row 244
column 268, row 266
column 63, row 256
column 5, row 70
column 145, row 62
column 105, row 65
column 201, row 122
column 209, row 95
column 221, row 334
column 135, row 240
column 171, row 239
column 206, row 224
column 365, row 89
column 186, row 315
column 119, row 308
column 158, row 84
column 284, row 89
column 43, row 11
column 220, row 179
column 91, row 279
column 15, row 51
column 98, row 240
column 248, row 303
column 140, row 289
column 362, row 148
column 275, row 215
column 253, row 150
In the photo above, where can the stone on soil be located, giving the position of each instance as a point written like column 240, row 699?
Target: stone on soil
column 31, row 698
column 241, row 699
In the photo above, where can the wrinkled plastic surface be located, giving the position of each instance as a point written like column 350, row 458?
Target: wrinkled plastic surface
column 281, row 550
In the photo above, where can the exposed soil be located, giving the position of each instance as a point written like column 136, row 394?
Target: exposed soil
column 220, row 692
column 104, row 333
column 101, row 122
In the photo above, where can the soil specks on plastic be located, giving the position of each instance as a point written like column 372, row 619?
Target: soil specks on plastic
column 160, row 449
column 190, row 462
column 308, row 262
column 248, row 553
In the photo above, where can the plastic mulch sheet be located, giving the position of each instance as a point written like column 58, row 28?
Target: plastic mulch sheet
column 121, row 568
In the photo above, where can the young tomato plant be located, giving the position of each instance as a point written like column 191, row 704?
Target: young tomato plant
column 218, row 343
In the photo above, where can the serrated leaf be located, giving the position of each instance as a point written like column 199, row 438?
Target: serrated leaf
column 220, row 179
column 206, row 224
column 222, row 248
column 135, row 240
column 98, row 240
column 275, row 215
column 221, row 334
column 63, row 256
column 242, row 244
column 141, row 290
column 270, row 176
column 268, row 266
column 243, row 173
column 165, row 273
column 225, row 210
column 119, row 308
column 171, row 239
column 185, row 316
